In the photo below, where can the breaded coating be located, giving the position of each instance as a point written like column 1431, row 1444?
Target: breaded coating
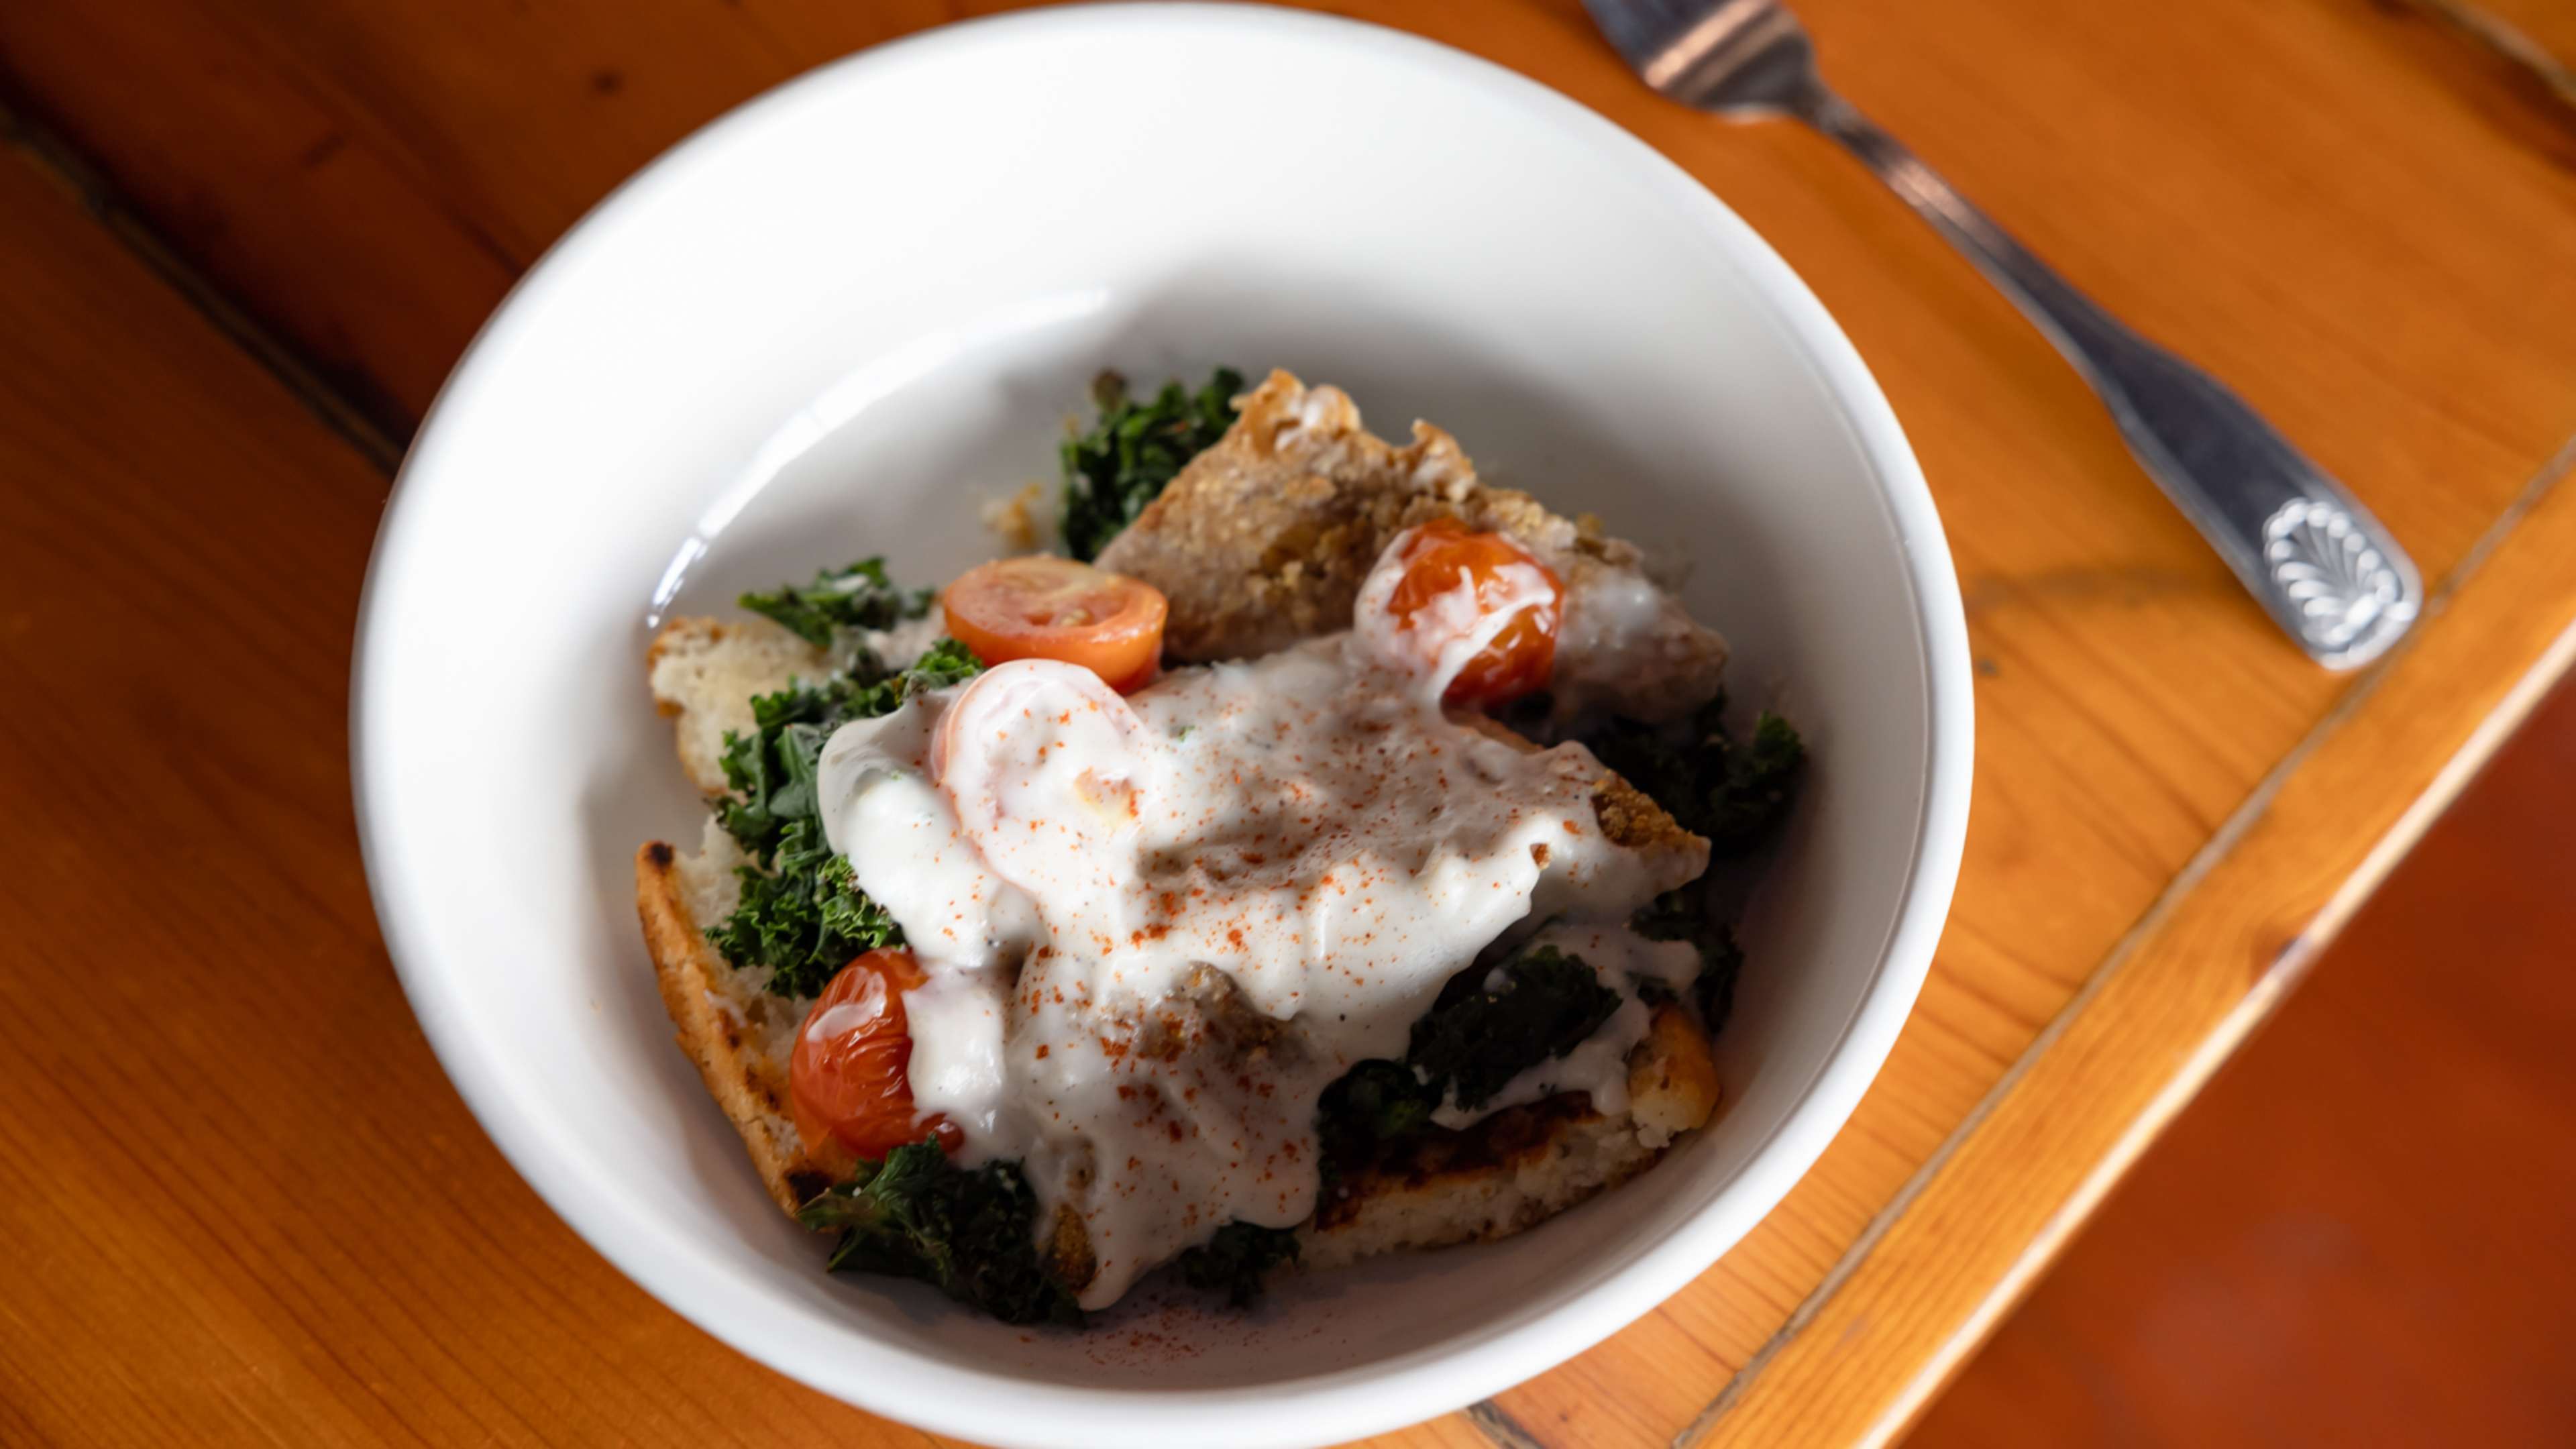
column 1264, row 540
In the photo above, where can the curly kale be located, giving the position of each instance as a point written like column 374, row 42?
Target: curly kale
column 1731, row 791
column 1235, row 1261
column 971, row 1233
column 857, row 597
column 1683, row 915
column 1123, row 462
column 1376, row 1101
column 1761, row 777
column 771, row 771
column 944, row 663
column 1487, row 1027
column 805, row 922
column 802, row 916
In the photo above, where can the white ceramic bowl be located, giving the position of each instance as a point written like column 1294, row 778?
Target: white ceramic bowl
column 835, row 320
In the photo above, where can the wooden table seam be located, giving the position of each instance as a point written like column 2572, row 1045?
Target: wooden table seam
column 76, row 174
column 2261, row 996
column 2508, row 43
column 1497, row 1425
column 2261, row 1000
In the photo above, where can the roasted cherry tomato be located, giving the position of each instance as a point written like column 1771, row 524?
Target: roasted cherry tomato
column 847, row 1076
column 1056, row 608
column 1441, row 555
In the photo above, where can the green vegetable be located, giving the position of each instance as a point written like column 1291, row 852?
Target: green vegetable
column 1488, row 1026
column 1236, row 1260
column 1112, row 471
column 944, row 663
column 1731, row 792
column 772, row 770
column 857, row 597
column 802, row 916
column 1721, row 961
column 805, row 922
column 1683, row 915
column 1734, row 792
column 1761, row 777
column 1376, row 1101
column 972, row 1233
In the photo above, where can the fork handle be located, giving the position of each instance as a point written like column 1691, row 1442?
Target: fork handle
column 2330, row 573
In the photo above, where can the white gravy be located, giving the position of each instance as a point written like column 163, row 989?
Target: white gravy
column 1156, row 928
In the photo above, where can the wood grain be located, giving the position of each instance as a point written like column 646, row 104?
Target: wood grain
column 2338, row 1236
column 242, row 1204
column 2319, row 198
column 2531, row 43
column 2543, row 25
column 2203, row 970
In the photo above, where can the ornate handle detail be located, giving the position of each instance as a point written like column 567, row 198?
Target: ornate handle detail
column 2340, row 583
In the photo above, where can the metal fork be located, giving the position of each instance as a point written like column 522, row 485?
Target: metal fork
column 2306, row 549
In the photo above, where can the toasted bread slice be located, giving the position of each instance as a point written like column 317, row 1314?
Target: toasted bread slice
column 1522, row 1165
column 1265, row 538
column 737, row 1033
column 704, row 673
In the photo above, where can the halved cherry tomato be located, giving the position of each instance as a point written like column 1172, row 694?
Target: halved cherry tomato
column 846, row 1078
column 1440, row 556
column 1056, row 608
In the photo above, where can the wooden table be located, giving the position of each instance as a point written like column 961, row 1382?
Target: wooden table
column 242, row 240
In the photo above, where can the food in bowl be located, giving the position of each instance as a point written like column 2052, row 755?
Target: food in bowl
column 1314, row 864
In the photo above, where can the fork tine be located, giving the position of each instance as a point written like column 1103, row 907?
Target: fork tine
column 1721, row 55
column 1639, row 29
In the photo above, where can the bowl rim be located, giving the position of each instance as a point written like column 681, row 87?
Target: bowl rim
column 999, row 1408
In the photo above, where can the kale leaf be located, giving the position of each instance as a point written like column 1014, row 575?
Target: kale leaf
column 1123, row 462
column 771, row 771
column 1761, row 777
column 1236, row 1260
column 802, row 916
column 857, row 597
column 972, row 1233
column 806, row 921
column 1490, row 1025
column 1376, row 1101
column 1732, row 792
column 1683, row 915
column 944, row 663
